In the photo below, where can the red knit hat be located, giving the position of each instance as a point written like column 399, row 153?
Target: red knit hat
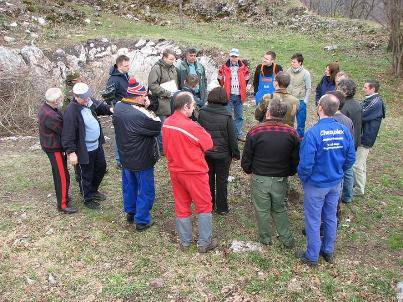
column 135, row 89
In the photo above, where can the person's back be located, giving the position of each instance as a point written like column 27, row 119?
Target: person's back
column 331, row 142
column 352, row 108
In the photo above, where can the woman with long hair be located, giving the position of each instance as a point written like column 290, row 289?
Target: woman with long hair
column 328, row 82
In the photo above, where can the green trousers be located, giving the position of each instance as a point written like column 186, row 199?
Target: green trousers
column 268, row 198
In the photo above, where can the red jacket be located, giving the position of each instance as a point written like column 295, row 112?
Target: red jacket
column 224, row 78
column 185, row 143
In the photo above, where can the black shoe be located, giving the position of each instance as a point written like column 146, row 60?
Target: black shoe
column 68, row 210
column 328, row 257
column 143, row 227
column 98, row 196
column 222, row 213
column 303, row 232
column 130, row 217
column 92, row 204
column 301, row 255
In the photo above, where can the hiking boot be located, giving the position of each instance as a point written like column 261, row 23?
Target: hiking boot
column 91, row 204
column 130, row 217
column 206, row 248
column 98, row 196
column 328, row 257
column 68, row 210
column 142, row 227
column 301, row 255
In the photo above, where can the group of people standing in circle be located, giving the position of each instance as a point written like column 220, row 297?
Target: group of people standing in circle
column 198, row 132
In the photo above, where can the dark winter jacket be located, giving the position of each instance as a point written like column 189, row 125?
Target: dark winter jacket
column 50, row 122
column 73, row 134
column 217, row 121
column 271, row 149
column 267, row 72
column 353, row 110
column 120, row 81
column 161, row 73
column 373, row 111
column 136, row 131
column 183, row 72
column 325, row 85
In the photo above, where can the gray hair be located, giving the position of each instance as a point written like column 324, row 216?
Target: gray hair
column 348, row 87
column 329, row 103
column 277, row 108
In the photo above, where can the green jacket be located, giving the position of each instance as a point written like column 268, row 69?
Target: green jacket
column 183, row 71
column 161, row 73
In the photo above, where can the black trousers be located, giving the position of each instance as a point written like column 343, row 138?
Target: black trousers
column 218, row 178
column 61, row 177
column 89, row 176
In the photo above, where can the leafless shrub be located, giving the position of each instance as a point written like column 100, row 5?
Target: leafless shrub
column 20, row 97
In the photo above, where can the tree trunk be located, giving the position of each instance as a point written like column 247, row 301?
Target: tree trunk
column 394, row 13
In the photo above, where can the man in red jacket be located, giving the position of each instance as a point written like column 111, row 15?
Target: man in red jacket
column 233, row 76
column 185, row 143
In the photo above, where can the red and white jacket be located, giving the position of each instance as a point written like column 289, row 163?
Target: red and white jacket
column 224, row 78
column 185, row 143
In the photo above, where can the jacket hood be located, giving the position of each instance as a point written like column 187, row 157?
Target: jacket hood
column 115, row 72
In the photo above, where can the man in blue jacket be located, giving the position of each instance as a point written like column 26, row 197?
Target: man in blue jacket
column 119, row 80
column 373, row 111
column 326, row 152
column 136, row 130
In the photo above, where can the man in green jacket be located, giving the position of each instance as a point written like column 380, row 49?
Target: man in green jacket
column 191, row 66
column 163, row 71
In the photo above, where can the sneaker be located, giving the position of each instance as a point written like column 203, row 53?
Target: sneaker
column 357, row 193
column 130, row 217
column 118, row 165
column 142, row 227
column 91, row 204
column 328, row 257
column 184, row 248
column 206, row 248
column 301, row 255
column 98, row 196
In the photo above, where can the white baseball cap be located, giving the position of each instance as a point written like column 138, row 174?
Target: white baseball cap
column 53, row 94
column 234, row 52
column 82, row 90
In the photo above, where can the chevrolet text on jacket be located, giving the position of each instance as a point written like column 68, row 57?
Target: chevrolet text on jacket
column 224, row 78
column 185, row 143
column 327, row 150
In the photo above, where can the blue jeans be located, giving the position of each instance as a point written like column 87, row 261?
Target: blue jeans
column 301, row 118
column 138, row 193
column 348, row 184
column 320, row 204
column 235, row 107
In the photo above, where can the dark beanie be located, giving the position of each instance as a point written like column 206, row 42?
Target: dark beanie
column 217, row 96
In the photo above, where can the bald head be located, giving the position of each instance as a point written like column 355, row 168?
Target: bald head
column 329, row 104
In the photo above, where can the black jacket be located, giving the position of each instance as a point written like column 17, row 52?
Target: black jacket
column 120, row 81
column 73, row 134
column 353, row 110
column 271, row 149
column 219, row 124
column 373, row 111
column 136, row 131
column 50, row 128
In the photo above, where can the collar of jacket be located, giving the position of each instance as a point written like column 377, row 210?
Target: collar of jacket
column 132, row 102
column 216, row 108
column 275, row 121
column 281, row 90
column 165, row 65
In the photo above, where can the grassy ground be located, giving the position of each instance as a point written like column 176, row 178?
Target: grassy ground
column 96, row 256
